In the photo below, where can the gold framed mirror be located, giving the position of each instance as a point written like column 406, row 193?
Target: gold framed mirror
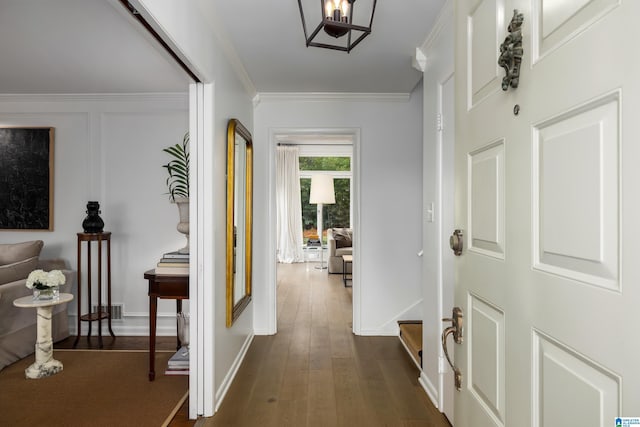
column 239, row 218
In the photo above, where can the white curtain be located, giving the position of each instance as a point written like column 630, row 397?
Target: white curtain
column 288, row 205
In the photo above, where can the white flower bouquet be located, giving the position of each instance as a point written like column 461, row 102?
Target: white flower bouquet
column 40, row 279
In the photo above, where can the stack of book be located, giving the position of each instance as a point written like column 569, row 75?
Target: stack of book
column 173, row 263
column 178, row 364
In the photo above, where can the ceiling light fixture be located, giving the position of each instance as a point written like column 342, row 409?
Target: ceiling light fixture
column 337, row 22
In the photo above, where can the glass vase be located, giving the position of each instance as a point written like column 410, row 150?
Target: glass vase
column 45, row 294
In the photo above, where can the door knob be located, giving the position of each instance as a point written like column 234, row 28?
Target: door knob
column 456, row 330
column 455, row 242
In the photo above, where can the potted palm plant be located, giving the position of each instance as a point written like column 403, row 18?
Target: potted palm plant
column 178, row 183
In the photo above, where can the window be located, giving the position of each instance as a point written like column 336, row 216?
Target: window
column 335, row 215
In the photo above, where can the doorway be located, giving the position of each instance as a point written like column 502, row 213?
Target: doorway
column 328, row 152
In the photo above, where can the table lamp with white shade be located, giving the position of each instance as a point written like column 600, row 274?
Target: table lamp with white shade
column 322, row 193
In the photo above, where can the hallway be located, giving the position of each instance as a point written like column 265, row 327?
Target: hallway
column 315, row 372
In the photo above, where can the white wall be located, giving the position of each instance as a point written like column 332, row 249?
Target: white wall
column 192, row 31
column 438, row 48
column 390, row 194
column 231, row 101
column 109, row 148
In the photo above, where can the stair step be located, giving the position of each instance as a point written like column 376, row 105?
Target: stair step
column 411, row 338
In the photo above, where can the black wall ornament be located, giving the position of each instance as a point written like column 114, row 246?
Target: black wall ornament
column 511, row 52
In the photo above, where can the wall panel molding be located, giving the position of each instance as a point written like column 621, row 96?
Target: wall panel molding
column 98, row 97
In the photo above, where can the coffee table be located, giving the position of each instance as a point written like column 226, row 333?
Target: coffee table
column 45, row 365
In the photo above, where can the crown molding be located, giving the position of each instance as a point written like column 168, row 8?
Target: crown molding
column 229, row 49
column 237, row 65
column 419, row 61
column 329, row 97
column 96, row 97
column 444, row 17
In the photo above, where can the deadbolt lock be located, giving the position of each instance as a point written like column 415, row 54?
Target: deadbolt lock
column 455, row 242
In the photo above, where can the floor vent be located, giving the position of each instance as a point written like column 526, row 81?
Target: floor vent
column 116, row 310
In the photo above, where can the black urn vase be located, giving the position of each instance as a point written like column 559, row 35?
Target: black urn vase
column 93, row 223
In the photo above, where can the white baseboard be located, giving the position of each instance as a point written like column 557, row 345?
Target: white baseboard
column 124, row 331
column 391, row 328
column 231, row 374
column 128, row 326
column 379, row 332
column 263, row 332
column 429, row 388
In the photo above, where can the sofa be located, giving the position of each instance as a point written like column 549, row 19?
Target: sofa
column 18, row 325
column 339, row 242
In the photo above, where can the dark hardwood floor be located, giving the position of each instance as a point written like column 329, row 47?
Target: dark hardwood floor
column 181, row 419
column 315, row 372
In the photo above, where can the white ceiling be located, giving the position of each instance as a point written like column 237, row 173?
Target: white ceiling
column 268, row 37
column 93, row 46
column 80, row 46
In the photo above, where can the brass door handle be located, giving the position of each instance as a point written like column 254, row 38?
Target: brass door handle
column 456, row 330
column 456, row 242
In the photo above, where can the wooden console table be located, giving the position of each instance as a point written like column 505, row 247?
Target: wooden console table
column 163, row 286
column 100, row 313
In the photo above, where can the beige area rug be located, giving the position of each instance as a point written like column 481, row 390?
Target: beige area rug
column 96, row 388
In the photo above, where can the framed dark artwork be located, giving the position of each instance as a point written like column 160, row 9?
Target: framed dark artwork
column 26, row 178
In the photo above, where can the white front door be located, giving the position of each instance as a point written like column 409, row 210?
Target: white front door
column 548, row 201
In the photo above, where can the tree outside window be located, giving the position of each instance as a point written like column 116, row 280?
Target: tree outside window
column 334, row 215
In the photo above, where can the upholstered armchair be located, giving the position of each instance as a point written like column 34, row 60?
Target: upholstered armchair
column 339, row 242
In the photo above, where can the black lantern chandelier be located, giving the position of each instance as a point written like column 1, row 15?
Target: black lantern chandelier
column 337, row 22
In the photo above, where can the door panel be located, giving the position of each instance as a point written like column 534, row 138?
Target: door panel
column 483, row 30
column 486, row 200
column 581, row 199
column 548, row 202
column 570, row 389
column 486, row 345
column 558, row 21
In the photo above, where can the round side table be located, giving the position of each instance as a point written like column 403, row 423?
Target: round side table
column 45, row 365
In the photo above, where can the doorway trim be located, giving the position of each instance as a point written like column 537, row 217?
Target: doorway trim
column 274, row 135
column 437, row 223
column 202, row 398
column 445, row 225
